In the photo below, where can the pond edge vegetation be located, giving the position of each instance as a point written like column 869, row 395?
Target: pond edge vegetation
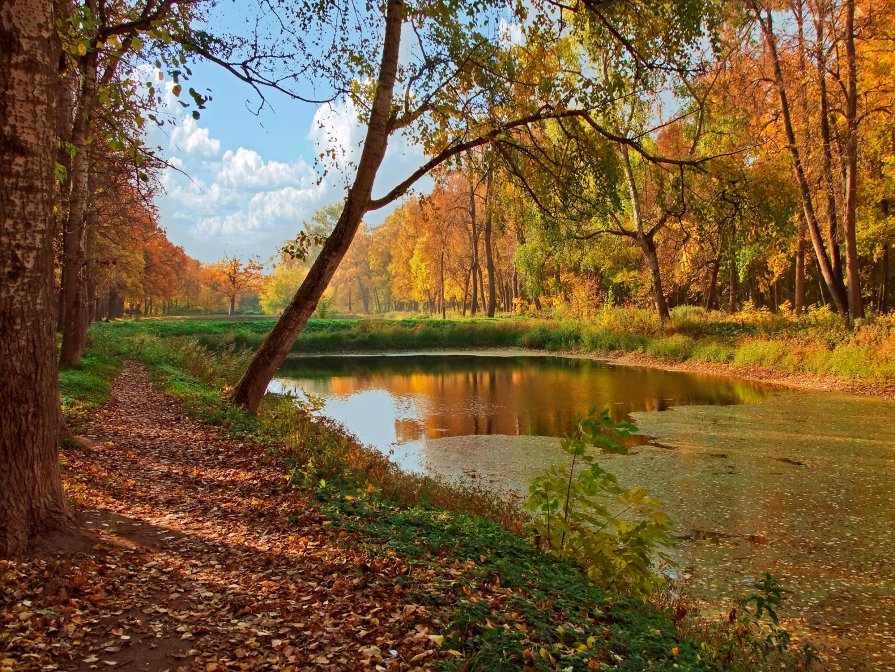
column 559, row 618
column 812, row 350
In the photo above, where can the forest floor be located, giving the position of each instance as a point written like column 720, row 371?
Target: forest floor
column 197, row 552
column 186, row 561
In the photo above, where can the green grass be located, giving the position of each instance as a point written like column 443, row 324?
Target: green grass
column 502, row 603
column 85, row 387
column 514, row 605
column 815, row 344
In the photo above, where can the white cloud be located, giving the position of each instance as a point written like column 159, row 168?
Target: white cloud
column 284, row 205
column 191, row 139
column 235, row 198
column 279, row 210
column 337, row 135
column 246, row 169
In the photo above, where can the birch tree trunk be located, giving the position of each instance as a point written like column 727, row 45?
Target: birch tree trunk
column 31, row 497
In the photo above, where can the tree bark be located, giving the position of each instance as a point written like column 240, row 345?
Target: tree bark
column 74, row 234
column 855, row 300
column 652, row 259
column 833, row 282
column 884, row 283
column 276, row 346
column 712, row 293
column 645, row 240
column 31, row 497
column 473, row 223
column 489, row 253
column 732, row 274
column 800, row 271
column 826, row 147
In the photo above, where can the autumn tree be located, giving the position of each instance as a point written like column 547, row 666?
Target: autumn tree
column 31, row 496
column 456, row 93
column 232, row 276
column 99, row 38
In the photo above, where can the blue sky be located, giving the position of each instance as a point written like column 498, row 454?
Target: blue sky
column 251, row 179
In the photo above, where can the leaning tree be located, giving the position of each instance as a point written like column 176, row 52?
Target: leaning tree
column 450, row 76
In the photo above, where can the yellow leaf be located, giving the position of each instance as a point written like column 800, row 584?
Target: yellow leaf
column 82, row 49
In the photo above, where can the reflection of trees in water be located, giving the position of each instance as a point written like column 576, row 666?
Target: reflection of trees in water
column 459, row 395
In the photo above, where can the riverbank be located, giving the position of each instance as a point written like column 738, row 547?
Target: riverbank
column 468, row 593
column 815, row 351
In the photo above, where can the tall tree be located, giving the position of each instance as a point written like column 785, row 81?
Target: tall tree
column 464, row 90
column 99, row 37
column 31, row 497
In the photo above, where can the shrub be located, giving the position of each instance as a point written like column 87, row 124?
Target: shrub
column 582, row 513
column 630, row 320
column 677, row 347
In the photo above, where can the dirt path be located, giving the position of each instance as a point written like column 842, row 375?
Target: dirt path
column 197, row 556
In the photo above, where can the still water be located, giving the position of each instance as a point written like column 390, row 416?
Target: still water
column 757, row 479
column 404, row 403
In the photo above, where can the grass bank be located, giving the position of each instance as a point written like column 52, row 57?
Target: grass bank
column 509, row 605
column 813, row 348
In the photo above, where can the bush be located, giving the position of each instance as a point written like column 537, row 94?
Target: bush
column 586, row 516
column 676, row 347
column 630, row 320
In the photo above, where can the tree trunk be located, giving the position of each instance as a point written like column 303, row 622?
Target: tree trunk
column 74, row 234
column 855, row 300
column 826, row 147
column 645, row 240
column 474, row 305
column 31, row 497
column 275, row 348
column 712, row 293
column 884, row 285
column 441, row 297
column 732, row 274
column 232, row 305
column 800, row 271
column 834, row 283
column 652, row 259
column 489, row 253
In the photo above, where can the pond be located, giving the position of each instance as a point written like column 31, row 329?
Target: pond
column 756, row 478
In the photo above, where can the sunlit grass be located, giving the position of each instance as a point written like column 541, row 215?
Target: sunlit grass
column 816, row 344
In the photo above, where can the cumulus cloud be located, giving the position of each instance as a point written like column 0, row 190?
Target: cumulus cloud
column 232, row 197
column 337, row 135
column 246, row 169
column 281, row 209
column 193, row 140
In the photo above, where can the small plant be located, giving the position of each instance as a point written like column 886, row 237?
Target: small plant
column 583, row 514
column 324, row 308
column 751, row 637
column 760, row 612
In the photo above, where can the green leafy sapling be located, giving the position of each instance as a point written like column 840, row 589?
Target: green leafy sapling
column 584, row 514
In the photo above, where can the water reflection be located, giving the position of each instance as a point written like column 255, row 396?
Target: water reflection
column 800, row 486
column 403, row 401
